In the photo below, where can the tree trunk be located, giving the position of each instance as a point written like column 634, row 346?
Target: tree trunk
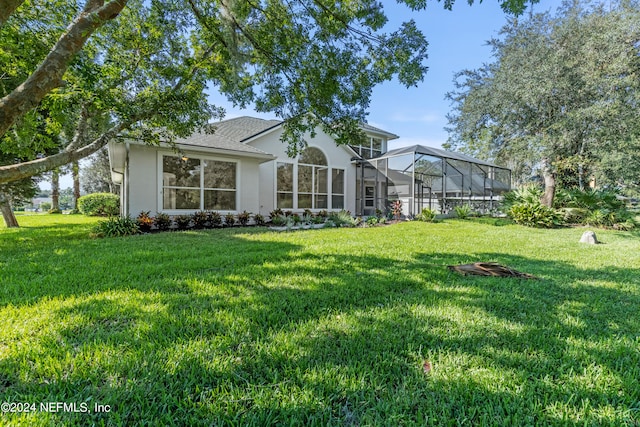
column 7, row 212
column 55, row 190
column 7, row 7
column 75, row 169
column 549, row 184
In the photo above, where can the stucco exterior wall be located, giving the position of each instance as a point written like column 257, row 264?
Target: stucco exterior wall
column 145, row 180
column 338, row 157
column 142, row 175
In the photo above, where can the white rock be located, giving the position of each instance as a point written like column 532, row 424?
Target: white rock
column 589, row 237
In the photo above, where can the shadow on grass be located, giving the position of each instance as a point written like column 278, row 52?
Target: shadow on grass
column 242, row 332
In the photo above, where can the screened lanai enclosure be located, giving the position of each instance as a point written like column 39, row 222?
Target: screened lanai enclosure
column 425, row 177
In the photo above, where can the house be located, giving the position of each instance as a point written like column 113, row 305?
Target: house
column 243, row 166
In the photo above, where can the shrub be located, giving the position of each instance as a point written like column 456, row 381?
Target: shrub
column 343, row 219
column 258, row 219
column 229, row 219
column 183, row 221
column 279, row 220
column 317, row 219
column 45, row 206
column 322, row 214
column 55, row 211
column 427, row 215
column 144, row 221
column 275, row 213
column 534, row 214
column 200, row 219
column 162, row 221
column 296, row 218
column 116, row 226
column 600, row 208
column 99, row 204
column 396, row 208
column 371, row 221
column 528, row 193
column 463, row 211
column 243, row 218
column 215, row 219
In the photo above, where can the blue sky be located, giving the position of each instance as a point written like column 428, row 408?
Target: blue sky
column 457, row 41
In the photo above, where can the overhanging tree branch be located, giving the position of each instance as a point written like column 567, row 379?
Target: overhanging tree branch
column 7, row 7
column 49, row 74
column 35, row 167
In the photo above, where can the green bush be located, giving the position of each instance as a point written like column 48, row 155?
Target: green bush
column 278, row 220
column 99, row 204
column 600, row 208
column 463, row 211
column 116, row 226
column 534, row 214
column 427, row 215
column 343, row 219
column 528, row 193
column 371, row 221
column 45, row 206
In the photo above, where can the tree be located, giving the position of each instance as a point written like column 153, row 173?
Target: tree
column 55, row 191
column 49, row 74
column 16, row 192
column 561, row 93
column 147, row 63
column 75, row 173
column 95, row 175
column 145, row 72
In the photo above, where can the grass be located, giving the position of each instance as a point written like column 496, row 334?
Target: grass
column 320, row 327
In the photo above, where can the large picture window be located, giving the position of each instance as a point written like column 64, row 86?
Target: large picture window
column 198, row 184
column 312, row 180
column 316, row 185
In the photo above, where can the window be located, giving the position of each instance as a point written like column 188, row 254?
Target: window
column 285, row 185
column 317, row 186
column 370, row 148
column 312, row 179
column 376, row 147
column 337, row 188
column 219, row 185
column 198, row 184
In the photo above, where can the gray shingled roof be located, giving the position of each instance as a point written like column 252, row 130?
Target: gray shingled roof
column 230, row 134
column 368, row 127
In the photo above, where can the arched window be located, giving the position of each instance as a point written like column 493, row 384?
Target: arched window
column 312, row 179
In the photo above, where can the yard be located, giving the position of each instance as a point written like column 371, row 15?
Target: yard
column 318, row 327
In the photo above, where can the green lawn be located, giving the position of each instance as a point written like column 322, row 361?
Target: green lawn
column 319, row 327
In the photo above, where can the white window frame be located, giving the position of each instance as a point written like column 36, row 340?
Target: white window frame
column 160, row 180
